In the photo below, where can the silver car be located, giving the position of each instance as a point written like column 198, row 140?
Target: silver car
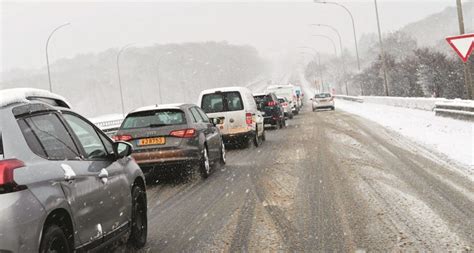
column 64, row 185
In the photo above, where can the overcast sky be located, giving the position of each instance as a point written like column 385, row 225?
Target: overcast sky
column 271, row 27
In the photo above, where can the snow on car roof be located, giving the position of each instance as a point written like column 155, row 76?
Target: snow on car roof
column 260, row 94
column 157, row 106
column 225, row 89
column 24, row 95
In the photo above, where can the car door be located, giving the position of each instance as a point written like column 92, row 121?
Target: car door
column 204, row 128
column 48, row 137
column 213, row 134
column 113, row 195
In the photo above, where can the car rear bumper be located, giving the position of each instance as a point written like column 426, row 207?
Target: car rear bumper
column 323, row 105
column 169, row 157
column 237, row 137
column 21, row 217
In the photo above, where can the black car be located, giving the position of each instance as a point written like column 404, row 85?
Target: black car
column 270, row 105
column 166, row 137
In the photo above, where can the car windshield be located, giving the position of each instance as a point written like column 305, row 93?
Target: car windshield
column 322, row 95
column 222, row 102
column 154, row 118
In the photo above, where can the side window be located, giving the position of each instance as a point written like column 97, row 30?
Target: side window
column 88, row 137
column 203, row 115
column 195, row 118
column 107, row 143
column 47, row 137
column 196, row 115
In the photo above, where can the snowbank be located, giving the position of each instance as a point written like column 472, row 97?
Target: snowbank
column 451, row 137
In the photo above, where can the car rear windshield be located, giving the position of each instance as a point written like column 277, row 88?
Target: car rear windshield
column 283, row 92
column 222, row 102
column 154, row 118
column 322, row 95
column 281, row 100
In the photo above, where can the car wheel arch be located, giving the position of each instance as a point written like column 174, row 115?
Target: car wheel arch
column 63, row 219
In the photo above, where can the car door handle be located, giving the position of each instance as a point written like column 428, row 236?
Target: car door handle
column 69, row 173
column 104, row 175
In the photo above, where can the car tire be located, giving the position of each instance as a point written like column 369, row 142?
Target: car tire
column 205, row 166
column 264, row 136
column 333, row 108
column 291, row 116
column 54, row 240
column 139, row 229
column 222, row 159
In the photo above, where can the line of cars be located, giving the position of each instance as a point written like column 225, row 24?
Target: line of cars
column 66, row 186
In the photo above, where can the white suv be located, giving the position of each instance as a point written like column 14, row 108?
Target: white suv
column 235, row 112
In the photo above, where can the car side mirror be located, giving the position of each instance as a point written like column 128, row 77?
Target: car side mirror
column 122, row 149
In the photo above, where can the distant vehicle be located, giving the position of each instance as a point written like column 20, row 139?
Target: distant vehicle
column 286, row 107
column 168, row 136
column 288, row 92
column 238, row 117
column 322, row 101
column 273, row 111
column 299, row 96
column 64, row 185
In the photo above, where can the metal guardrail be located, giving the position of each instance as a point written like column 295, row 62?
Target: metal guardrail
column 350, row 98
column 455, row 110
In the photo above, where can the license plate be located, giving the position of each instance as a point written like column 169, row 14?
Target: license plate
column 152, row 141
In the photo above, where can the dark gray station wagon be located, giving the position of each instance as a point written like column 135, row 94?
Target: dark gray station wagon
column 173, row 136
column 64, row 185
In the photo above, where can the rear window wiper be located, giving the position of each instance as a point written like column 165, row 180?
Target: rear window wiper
column 157, row 125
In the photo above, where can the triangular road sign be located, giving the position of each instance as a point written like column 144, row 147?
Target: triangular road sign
column 462, row 44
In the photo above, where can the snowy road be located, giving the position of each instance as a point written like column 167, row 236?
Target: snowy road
column 329, row 181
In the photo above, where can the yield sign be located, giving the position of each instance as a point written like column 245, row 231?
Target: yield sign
column 463, row 45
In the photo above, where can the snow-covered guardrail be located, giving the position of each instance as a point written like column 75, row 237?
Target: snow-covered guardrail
column 108, row 123
column 455, row 109
column 350, row 98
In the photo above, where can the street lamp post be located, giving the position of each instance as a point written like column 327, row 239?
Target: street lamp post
column 329, row 38
column 47, row 55
column 118, row 74
column 341, row 53
column 353, row 27
column 467, row 67
column 382, row 51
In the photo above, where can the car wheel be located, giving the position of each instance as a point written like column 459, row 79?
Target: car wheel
column 223, row 154
column 291, row 116
column 333, row 108
column 205, row 164
column 264, row 136
column 54, row 240
column 139, row 231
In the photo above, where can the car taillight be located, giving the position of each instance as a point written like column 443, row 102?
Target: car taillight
column 271, row 103
column 184, row 133
column 122, row 137
column 7, row 184
column 248, row 118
